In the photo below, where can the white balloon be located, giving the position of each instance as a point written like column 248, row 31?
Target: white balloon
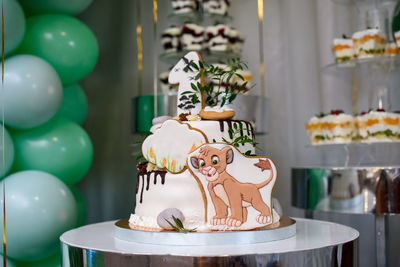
column 32, row 92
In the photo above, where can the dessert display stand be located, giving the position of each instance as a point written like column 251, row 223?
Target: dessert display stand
column 152, row 101
column 376, row 193
column 316, row 243
column 358, row 184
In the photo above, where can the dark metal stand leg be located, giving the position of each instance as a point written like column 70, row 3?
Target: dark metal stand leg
column 380, row 240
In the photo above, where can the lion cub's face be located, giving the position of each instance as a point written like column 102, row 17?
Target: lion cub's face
column 212, row 161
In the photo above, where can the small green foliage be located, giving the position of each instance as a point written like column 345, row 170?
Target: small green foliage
column 220, row 91
column 178, row 226
column 239, row 139
column 137, row 153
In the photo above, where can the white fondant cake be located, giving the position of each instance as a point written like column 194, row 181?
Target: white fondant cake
column 203, row 171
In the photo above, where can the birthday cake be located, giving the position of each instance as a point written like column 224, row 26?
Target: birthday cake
column 200, row 171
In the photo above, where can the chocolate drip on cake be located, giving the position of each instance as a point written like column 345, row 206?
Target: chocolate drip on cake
column 146, row 176
column 241, row 129
column 229, row 122
column 249, row 128
column 141, row 192
column 148, row 182
column 161, row 174
column 221, row 126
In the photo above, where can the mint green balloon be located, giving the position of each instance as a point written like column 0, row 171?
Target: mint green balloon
column 39, row 209
column 9, row 262
column 80, row 202
column 14, row 25
column 32, row 92
column 52, row 261
column 63, row 41
column 74, row 104
column 60, row 147
column 8, row 152
column 67, row 7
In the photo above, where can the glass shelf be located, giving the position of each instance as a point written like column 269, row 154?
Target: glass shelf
column 352, row 2
column 357, row 144
column 207, row 55
column 385, row 62
column 196, row 16
column 357, row 154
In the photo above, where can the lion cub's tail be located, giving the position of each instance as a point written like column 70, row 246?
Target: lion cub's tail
column 261, row 185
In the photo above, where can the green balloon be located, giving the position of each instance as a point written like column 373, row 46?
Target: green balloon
column 14, row 26
column 80, row 202
column 74, row 104
column 60, row 147
column 52, row 261
column 39, row 208
column 68, row 7
column 63, row 41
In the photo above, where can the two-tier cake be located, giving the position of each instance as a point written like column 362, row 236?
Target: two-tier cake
column 201, row 170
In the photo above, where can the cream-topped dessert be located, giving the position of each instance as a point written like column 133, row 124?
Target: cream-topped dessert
column 379, row 126
column 343, row 49
column 334, row 128
column 192, row 37
column 217, row 37
column 391, row 49
column 369, row 43
column 236, row 40
column 368, row 127
column 219, row 7
column 170, row 39
column 184, row 6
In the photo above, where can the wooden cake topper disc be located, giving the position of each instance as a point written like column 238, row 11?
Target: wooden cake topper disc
column 217, row 116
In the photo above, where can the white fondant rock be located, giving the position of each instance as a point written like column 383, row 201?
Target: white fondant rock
column 166, row 215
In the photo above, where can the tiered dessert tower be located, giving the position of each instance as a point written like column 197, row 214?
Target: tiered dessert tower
column 359, row 180
column 146, row 106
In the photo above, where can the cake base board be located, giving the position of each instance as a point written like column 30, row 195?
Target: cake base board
column 285, row 229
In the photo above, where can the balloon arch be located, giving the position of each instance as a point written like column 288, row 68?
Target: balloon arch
column 46, row 150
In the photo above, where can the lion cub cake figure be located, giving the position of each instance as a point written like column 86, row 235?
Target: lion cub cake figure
column 238, row 187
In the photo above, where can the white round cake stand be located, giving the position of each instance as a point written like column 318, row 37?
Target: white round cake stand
column 317, row 243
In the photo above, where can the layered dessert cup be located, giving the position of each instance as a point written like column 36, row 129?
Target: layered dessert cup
column 369, row 43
